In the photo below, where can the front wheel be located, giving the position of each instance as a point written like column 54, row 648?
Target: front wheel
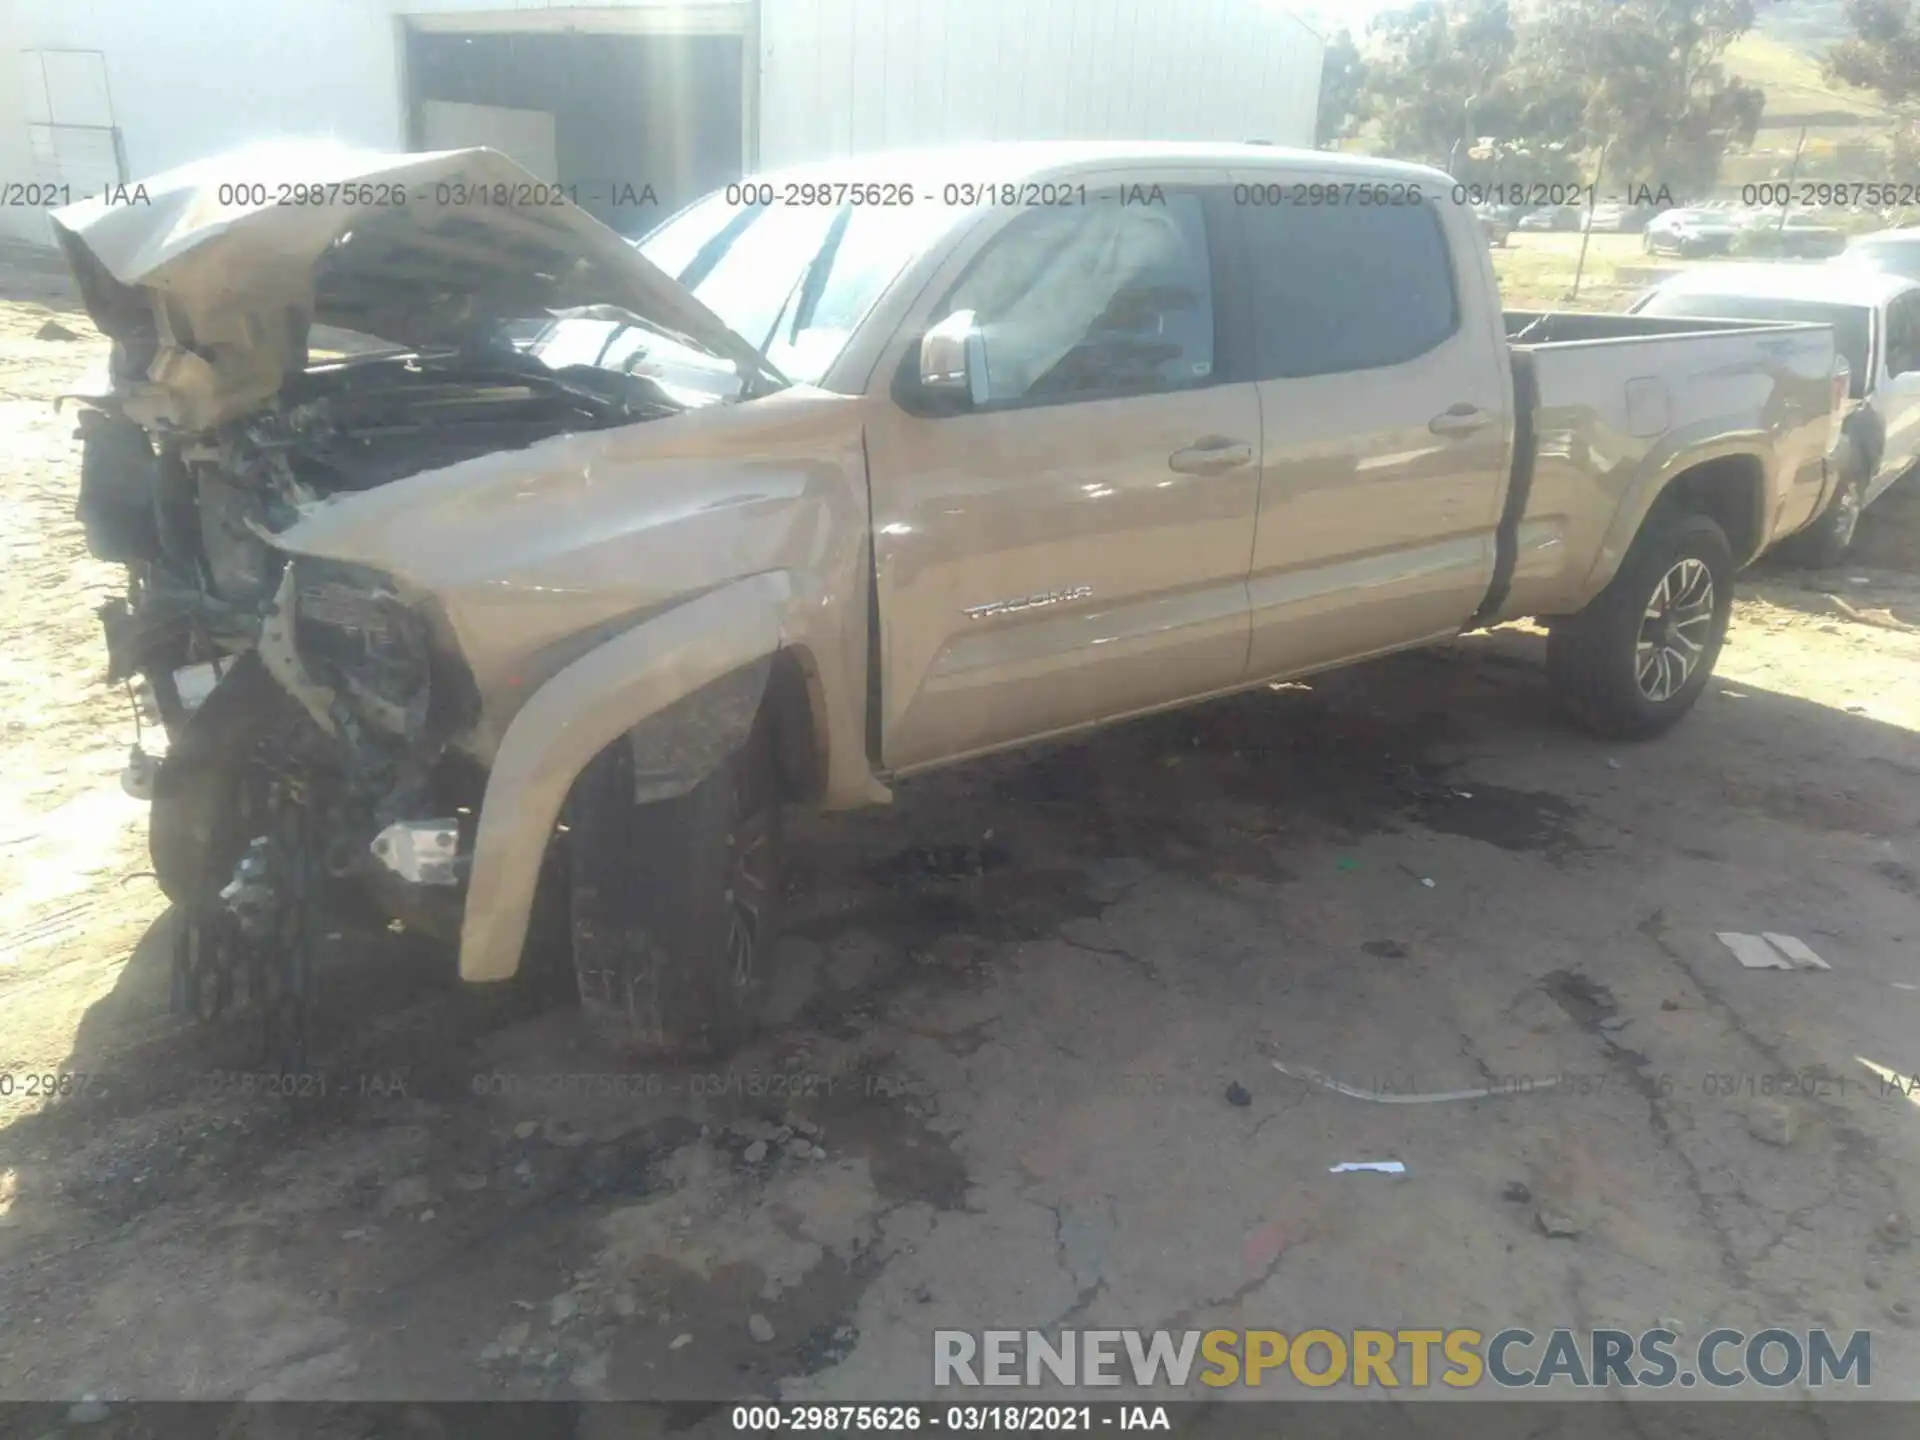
column 674, row 903
column 1633, row 662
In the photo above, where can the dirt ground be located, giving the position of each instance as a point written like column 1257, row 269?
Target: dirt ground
column 1014, row 1004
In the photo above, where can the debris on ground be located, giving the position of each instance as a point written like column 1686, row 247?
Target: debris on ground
column 1386, row 949
column 1516, row 1191
column 681, row 1341
column 1239, row 1096
column 1895, row 1230
column 1771, row 951
column 410, row 1193
column 1388, row 1097
column 1556, row 1222
column 1378, row 1167
column 760, row 1328
column 1796, row 950
column 1771, row 1121
column 54, row 330
column 526, row 1130
column 755, row 1153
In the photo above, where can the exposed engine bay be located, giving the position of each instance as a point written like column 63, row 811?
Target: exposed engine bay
column 264, row 809
column 295, row 714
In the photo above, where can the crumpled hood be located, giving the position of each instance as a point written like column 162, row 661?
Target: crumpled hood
column 209, row 300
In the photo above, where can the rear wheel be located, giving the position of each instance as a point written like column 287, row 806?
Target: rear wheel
column 674, row 904
column 1634, row 661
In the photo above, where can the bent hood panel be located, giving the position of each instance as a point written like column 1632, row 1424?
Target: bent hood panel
column 210, row 300
column 532, row 556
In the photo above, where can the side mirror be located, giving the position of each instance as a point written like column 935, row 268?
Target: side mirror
column 953, row 362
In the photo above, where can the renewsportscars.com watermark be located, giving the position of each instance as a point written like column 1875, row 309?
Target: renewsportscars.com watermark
column 1509, row 1359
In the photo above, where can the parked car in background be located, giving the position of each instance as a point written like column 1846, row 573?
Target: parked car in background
column 1552, row 218
column 1496, row 225
column 1698, row 230
column 1895, row 252
column 1796, row 235
column 1875, row 317
column 1614, row 218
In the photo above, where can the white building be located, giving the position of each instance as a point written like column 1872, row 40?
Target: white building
column 679, row 95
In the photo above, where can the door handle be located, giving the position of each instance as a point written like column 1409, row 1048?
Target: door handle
column 1461, row 419
column 1214, row 455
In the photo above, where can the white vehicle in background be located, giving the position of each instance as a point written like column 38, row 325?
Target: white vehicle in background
column 1875, row 317
column 1893, row 252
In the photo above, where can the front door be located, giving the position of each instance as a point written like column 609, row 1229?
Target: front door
column 1073, row 547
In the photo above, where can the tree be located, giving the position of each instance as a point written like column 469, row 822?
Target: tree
column 1343, row 81
column 1655, row 82
column 1551, row 79
column 1883, row 55
column 1443, row 75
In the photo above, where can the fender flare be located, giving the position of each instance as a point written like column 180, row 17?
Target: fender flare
column 570, row 719
column 1658, row 472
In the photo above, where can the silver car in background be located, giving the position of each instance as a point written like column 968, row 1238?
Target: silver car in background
column 1700, row 231
column 1876, row 325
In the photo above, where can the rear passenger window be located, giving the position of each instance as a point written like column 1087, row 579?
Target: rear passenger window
column 1337, row 288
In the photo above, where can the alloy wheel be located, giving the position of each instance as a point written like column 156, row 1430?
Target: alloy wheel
column 1674, row 630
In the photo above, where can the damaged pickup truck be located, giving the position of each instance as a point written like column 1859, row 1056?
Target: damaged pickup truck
column 523, row 625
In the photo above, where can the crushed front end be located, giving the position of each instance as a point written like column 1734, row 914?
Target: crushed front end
column 295, row 714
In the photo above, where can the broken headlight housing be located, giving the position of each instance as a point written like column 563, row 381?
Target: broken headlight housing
column 355, row 632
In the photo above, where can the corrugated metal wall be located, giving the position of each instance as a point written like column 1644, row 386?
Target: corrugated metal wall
column 843, row 76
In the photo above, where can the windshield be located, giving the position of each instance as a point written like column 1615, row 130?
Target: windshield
column 795, row 280
column 1852, row 324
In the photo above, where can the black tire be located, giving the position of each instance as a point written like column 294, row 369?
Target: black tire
column 1825, row 542
column 1594, row 658
column 659, row 905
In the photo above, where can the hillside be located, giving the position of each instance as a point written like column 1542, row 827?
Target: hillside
column 1845, row 127
column 1805, row 25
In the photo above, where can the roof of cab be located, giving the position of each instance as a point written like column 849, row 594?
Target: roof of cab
column 1023, row 160
column 1827, row 284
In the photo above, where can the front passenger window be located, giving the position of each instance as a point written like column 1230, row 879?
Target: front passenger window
column 1094, row 300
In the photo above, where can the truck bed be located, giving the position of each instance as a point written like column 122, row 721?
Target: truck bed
column 1598, row 395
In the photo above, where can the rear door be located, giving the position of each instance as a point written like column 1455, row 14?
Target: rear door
column 1075, row 548
column 1386, row 413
